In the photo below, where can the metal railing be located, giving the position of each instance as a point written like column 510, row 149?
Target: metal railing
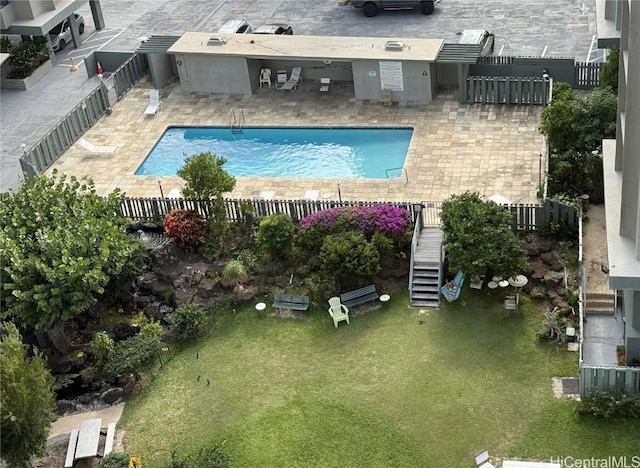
column 401, row 170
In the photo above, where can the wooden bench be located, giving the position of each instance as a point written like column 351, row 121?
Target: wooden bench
column 290, row 301
column 71, row 449
column 359, row 296
column 108, row 443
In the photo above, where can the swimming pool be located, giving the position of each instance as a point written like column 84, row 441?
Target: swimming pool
column 338, row 153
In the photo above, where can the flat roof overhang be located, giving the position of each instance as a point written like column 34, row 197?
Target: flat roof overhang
column 265, row 46
column 45, row 21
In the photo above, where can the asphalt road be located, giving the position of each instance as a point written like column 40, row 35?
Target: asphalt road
column 522, row 27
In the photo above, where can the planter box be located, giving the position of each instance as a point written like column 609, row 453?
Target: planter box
column 29, row 81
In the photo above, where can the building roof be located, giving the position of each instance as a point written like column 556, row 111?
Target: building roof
column 308, row 47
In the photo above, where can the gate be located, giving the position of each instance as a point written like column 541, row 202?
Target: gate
column 507, row 90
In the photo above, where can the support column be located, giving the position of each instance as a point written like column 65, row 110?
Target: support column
column 96, row 13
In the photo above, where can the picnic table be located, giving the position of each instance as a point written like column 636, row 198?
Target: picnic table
column 88, row 439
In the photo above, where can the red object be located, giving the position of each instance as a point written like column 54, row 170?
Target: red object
column 100, row 70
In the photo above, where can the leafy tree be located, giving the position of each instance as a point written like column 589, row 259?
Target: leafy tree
column 207, row 180
column 558, row 118
column 60, row 246
column 348, row 257
column 27, row 405
column 188, row 319
column 595, row 119
column 479, row 237
column 275, row 234
column 609, row 72
column 205, row 177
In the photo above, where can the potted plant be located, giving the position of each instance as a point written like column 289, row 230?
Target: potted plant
column 28, row 62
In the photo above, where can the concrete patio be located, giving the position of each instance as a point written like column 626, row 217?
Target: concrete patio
column 455, row 148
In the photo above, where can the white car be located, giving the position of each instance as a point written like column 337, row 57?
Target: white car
column 61, row 33
column 238, row 26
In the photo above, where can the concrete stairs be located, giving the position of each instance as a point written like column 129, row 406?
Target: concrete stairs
column 601, row 303
column 425, row 281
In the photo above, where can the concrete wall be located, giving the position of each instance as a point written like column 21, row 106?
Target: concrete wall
column 163, row 68
column 417, row 81
column 206, row 74
column 446, row 74
column 110, row 61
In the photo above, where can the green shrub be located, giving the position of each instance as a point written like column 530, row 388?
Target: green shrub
column 275, row 234
column 186, row 228
column 130, row 356
column 25, row 57
column 151, row 330
column 613, row 404
column 101, row 345
column 189, row 319
column 115, row 460
column 206, row 457
column 349, row 256
column 233, row 273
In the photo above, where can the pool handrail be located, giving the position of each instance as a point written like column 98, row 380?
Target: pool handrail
column 406, row 175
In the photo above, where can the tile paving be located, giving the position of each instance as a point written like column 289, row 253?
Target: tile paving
column 455, row 147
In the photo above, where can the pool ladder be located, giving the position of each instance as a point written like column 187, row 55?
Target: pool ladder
column 236, row 122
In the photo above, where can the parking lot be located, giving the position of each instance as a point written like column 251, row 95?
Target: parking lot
column 532, row 27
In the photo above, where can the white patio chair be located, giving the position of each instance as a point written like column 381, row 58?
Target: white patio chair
column 154, row 102
column 482, row 460
column 95, row 149
column 265, row 77
column 294, row 79
column 324, row 84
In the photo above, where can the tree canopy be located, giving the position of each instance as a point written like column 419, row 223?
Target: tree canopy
column 205, row 178
column 60, row 245
column 27, row 404
column 479, row 237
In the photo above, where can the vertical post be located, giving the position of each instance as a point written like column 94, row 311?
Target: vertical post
column 339, row 192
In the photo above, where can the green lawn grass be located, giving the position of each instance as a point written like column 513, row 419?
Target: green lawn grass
column 384, row 391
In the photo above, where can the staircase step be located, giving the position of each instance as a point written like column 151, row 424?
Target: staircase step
column 597, row 296
column 426, row 280
column 425, row 303
column 600, row 304
column 425, row 288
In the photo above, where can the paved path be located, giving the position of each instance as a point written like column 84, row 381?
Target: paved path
column 65, row 424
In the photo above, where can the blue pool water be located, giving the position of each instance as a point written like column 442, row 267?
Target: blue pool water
column 337, row 153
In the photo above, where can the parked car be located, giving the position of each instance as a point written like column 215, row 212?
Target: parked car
column 478, row 36
column 237, row 26
column 283, row 29
column 371, row 7
column 61, row 33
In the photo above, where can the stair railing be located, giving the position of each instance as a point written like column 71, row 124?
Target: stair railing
column 417, row 228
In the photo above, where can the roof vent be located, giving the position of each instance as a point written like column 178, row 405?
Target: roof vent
column 394, row 45
column 216, row 40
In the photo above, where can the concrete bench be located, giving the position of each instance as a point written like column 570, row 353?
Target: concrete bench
column 71, row 449
column 108, row 443
column 290, row 301
column 359, row 296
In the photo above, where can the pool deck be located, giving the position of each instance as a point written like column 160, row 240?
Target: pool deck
column 455, row 148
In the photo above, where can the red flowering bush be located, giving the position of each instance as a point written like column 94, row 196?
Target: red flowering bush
column 186, row 228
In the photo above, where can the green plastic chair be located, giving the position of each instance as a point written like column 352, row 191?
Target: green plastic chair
column 338, row 311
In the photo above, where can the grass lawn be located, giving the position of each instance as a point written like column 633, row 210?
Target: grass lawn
column 384, row 391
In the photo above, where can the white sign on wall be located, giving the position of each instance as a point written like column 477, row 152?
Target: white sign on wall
column 391, row 76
